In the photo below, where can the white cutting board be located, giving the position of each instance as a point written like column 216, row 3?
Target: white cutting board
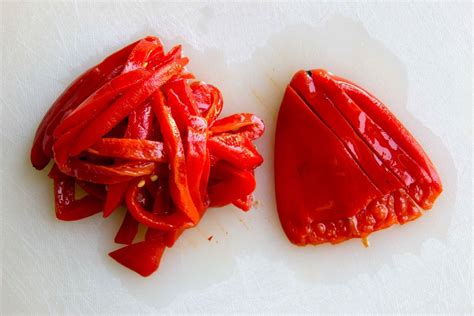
column 414, row 57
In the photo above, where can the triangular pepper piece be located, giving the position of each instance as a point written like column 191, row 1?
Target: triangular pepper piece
column 369, row 175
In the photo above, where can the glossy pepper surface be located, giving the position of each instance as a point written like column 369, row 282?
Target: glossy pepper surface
column 344, row 165
column 137, row 130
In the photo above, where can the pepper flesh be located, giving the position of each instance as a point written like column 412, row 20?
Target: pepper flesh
column 344, row 165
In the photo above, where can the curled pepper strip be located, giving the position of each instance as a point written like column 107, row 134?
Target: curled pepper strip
column 162, row 222
column 128, row 148
column 175, row 151
column 135, row 131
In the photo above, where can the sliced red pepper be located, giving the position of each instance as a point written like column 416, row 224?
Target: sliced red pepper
column 143, row 257
column 235, row 149
column 415, row 178
column 108, row 174
column 140, row 122
column 208, row 99
column 131, row 149
column 167, row 222
column 147, row 48
column 229, row 184
column 328, row 113
column 247, row 124
column 162, row 206
column 115, row 196
column 100, row 99
column 194, row 128
column 176, row 156
column 127, row 231
column 122, row 141
column 77, row 92
column 140, row 126
column 116, row 112
column 159, row 61
column 378, row 112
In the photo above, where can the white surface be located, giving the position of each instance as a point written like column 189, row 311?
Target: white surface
column 415, row 57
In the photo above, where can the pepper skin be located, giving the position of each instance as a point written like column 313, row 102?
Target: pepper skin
column 344, row 165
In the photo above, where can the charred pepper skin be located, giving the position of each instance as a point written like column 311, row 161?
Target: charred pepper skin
column 344, row 165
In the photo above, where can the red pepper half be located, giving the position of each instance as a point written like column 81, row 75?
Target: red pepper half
column 344, row 165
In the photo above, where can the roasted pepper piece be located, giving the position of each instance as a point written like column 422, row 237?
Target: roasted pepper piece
column 77, row 92
column 339, row 172
column 127, row 231
column 175, row 151
column 143, row 257
column 228, row 184
column 235, row 149
column 105, row 121
column 166, row 222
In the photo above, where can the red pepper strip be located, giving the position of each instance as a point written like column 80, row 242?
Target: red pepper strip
column 327, row 112
column 245, row 203
column 202, row 97
column 94, row 189
column 247, row 124
column 228, row 184
column 86, row 171
column 62, row 145
column 182, row 76
column 115, row 196
column 116, row 112
column 100, row 99
column 162, row 206
column 140, row 125
column 167, row 238
column 162, row 222
column 196, row 155
column 67, row 207
column 143, row 257
column 195, row 130
column 181, row 90
column 141, row 52
column 208, row 99
column 140, row 122
column 127, row 231
column 78, row 91
column 205, row 180
column 174, row 54
column 131, row 149
column 161, row 193
column 174, row 149
column 378, row 112
column 235, row 149
column 415, row 178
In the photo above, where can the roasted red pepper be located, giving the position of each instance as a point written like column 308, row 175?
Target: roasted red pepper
column 135, row 131
column 344, row 165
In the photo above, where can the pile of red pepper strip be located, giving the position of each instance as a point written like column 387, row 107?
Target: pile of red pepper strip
column 138, row 130
column 344, row 165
